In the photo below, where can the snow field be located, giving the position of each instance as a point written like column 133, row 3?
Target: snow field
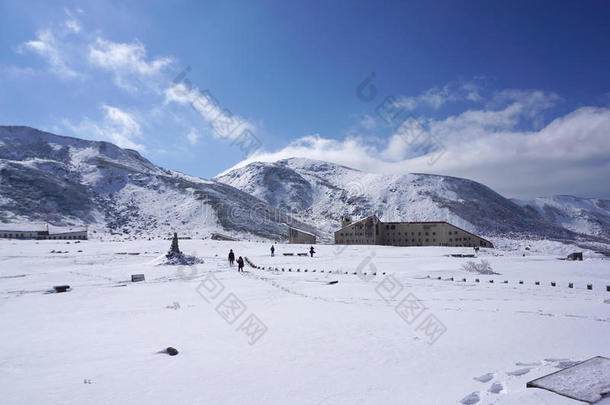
column 324, row 344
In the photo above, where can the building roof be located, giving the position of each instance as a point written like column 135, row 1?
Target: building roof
column 23, row 227
column 300, row 230
column 360, row 220
column 53, row 230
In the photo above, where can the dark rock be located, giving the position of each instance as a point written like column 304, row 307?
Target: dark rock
column 171, row 351
column 575, row 256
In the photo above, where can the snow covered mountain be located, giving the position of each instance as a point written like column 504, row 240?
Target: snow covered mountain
column 70, row 181
column 320, row 193
column 589, row 216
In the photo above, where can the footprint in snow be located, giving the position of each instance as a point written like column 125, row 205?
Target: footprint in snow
column 471, row 399
column 485, row 378
column 566, row 364
column 519, row 372
column 533, row 364
column 496, row 388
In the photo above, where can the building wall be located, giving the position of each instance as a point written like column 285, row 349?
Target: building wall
column 300, row 237
column 19, row 234
column 43, row 235
column 367, row 231
column 80, row 235
column 371, row 231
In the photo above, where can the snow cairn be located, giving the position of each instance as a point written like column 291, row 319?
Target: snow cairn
column 176, row 258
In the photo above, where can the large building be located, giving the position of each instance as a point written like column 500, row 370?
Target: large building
column 28, row 231
column 298, row 236
column 371, row 231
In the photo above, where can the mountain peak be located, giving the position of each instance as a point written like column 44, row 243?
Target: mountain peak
column 321, row 193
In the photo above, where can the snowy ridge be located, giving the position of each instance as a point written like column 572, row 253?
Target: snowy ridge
column 321, row 193
column 590, row 216
column 115, row 191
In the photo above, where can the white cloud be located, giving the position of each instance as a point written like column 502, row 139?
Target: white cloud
column 436, row 97
column 116, row 126
column 126, row 60
column 368, row 122
column 223, row 123
column 49, row 48
column 72, row 23
column 193, row 136
column 570, row 155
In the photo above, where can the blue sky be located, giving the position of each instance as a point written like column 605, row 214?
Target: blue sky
column 512, row 94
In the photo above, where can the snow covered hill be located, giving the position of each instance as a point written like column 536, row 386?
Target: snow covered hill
column 70, row 181
column 589, row 216
column 320, row 193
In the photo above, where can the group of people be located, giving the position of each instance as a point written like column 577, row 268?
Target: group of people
column 240, row 261
column 311, row 251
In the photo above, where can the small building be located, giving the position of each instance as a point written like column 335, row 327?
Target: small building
column 42, row 231
column 76, row 233
column 372, row 231
column 219, row 236
column 300, row 237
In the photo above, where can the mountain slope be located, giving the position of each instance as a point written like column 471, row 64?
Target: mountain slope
column 320, row 193
column 70, row 181
column 589, row 216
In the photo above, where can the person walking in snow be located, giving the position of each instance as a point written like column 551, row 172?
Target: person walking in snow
column 272, row 250
column 231, row 257
column 311, row 251
column 240, row 265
